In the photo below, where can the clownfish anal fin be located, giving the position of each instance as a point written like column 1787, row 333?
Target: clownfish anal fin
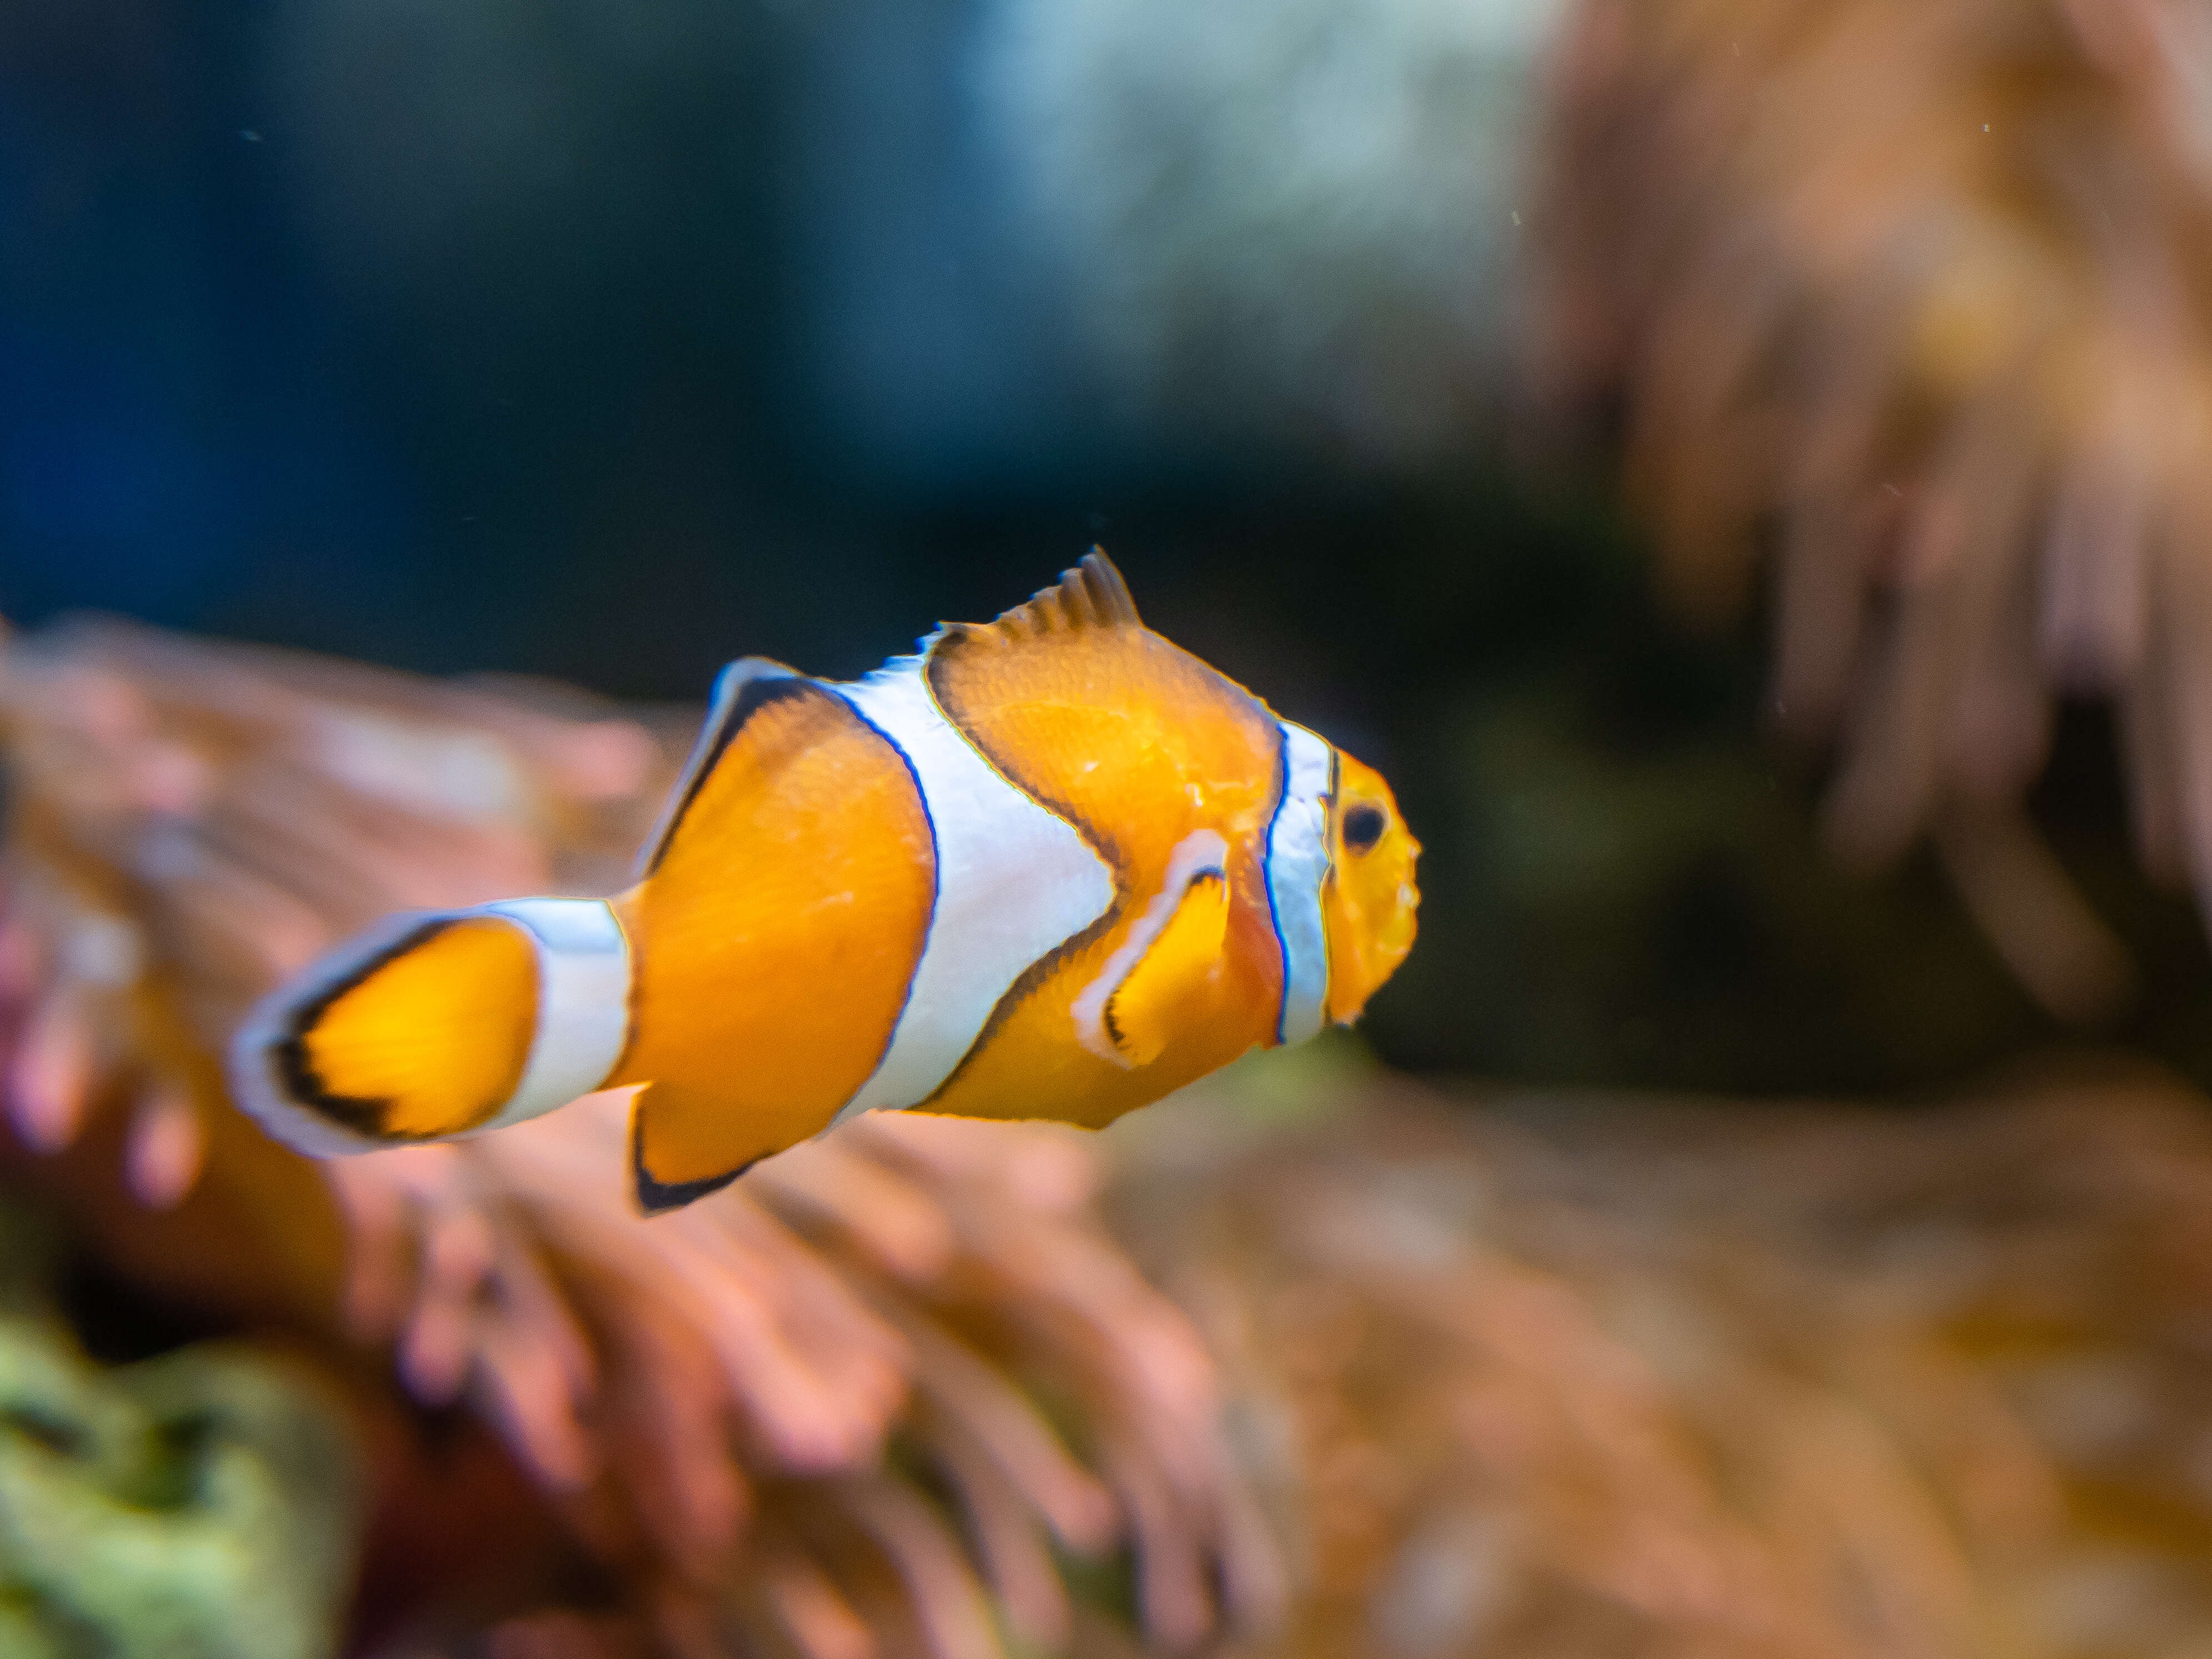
column 1091, row 595
column 682, row 1146
column 1155, row 999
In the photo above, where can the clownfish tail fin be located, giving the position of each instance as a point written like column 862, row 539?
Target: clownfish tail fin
column 439, row 1023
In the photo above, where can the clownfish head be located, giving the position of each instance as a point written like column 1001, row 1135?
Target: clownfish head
column 1369, row 900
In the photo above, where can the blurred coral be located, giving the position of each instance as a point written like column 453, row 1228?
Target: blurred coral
column 1558, row 1376
column 874, row 1399
column 1618, row 1376
column 1918, row 294
column 199, row 1503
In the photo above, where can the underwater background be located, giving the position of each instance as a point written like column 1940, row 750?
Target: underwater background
column 530, row 338
column 1736, row 466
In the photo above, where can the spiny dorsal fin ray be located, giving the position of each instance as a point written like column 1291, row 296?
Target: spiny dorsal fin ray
column 739, row 690
column 1091, row 595
column 1086, row 717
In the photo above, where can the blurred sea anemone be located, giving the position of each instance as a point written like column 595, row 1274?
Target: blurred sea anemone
column 1628, row 1375
column 1912, row 299
column 1562, row 1377
column 872, row 1400
column 1917, row 297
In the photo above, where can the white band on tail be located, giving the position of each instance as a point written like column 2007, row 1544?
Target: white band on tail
column 1297, row 868
column 583, row 1018
column 583, row 1002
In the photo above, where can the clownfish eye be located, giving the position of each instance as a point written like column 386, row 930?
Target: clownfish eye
column 1362, row 827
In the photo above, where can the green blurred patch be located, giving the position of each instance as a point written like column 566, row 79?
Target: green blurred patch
column 199, row 1505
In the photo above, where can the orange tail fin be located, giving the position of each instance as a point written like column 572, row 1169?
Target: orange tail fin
column 438, row 1024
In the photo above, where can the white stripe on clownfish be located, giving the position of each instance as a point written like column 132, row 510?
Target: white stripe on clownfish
column 1297, row 870
column 1201, row 852
column 992, row 840
column 583, row 1002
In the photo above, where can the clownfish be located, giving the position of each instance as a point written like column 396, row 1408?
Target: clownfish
column 1053, row 867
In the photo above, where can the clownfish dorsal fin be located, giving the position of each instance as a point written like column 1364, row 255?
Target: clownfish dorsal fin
column 1078, row 704
column 739, row 690
column 1092, row 595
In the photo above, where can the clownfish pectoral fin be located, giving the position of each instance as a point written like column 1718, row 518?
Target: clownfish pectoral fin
column 438, row 1024
column 1154, row 1001
column 684, row 1143
column 1146, row 1008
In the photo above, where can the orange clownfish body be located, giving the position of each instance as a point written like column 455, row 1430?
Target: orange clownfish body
column 1054, row 866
